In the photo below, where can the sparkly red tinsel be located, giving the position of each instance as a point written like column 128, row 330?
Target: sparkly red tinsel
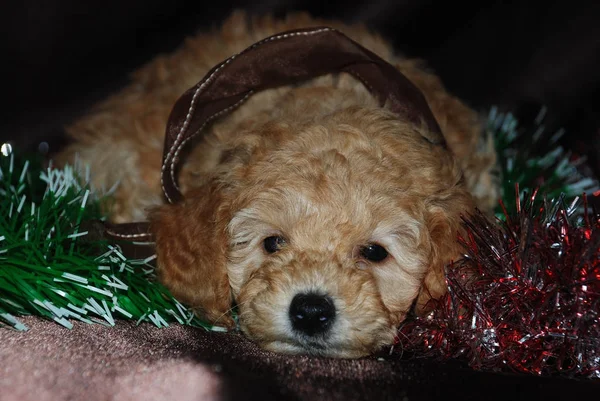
column 526, row 296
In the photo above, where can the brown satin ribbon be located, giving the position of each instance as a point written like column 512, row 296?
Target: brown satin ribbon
column 282, row 59
column 135, row 239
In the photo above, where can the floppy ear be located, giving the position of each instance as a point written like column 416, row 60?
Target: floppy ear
column 444, row 223
column 191, row 249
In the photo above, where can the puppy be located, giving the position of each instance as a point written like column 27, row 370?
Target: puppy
column 323, row 216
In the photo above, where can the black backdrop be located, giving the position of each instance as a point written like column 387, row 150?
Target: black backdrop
column 62, row 56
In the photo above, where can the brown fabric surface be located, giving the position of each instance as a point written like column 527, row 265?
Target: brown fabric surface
column 93, row 362
column 129, row 362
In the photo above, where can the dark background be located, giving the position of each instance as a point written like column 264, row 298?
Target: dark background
column 62, row 56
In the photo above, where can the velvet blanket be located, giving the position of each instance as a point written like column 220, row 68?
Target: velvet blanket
column 129, row 362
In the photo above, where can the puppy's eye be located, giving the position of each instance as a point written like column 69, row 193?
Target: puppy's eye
column 273, row 244
column 374, row 253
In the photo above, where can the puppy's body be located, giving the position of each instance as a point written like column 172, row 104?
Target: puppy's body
column 290, row 200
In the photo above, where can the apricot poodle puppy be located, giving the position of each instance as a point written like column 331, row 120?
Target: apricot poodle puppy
column 323, row 216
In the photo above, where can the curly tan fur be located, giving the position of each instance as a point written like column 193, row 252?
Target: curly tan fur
column 320, row 165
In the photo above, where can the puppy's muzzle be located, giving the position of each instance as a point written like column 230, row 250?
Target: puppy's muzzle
column 312, row 314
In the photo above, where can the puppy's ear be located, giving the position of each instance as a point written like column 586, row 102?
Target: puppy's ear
column 191, row 249
column 444, row 223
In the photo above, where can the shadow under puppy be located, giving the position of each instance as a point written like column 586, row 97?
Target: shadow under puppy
column 323, row 215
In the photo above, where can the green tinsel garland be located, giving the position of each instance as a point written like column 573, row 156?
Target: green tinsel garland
column 47, row 269
column 532, row 158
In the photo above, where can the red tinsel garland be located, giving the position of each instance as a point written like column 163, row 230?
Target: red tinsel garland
column 526, row 295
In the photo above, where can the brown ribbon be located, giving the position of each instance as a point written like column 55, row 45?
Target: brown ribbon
column 282, row 59
column 135, row 239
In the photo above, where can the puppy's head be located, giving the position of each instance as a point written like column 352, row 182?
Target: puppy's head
column 323, row 232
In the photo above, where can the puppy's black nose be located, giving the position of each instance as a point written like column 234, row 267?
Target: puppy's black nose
column 312, row 314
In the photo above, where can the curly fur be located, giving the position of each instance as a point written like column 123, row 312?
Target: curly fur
column 319, row 164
